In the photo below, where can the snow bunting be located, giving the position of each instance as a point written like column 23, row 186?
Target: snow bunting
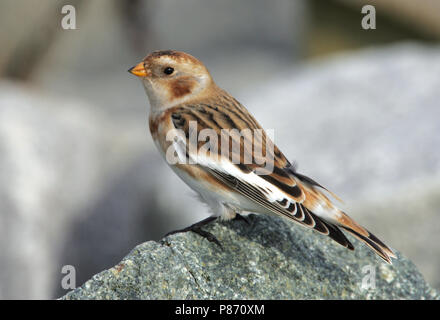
column 217, row 147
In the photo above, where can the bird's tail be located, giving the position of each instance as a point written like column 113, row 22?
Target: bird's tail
column 367, row 237
column 320, row 205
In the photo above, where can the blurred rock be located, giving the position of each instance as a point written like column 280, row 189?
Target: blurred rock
column 422, row 16
column 21, row 41
column 232, row 37
column 269, row 259
column 60, row 167
column 48, row 172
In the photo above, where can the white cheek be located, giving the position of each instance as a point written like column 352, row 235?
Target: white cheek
column 157, row 95
column 161, row 96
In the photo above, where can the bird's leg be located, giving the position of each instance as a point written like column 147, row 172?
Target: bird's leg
column 241, row 217
column 197, row 228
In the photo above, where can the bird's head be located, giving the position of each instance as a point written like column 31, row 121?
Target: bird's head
column 172, row 77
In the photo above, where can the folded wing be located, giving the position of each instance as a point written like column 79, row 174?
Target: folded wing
column 282, row 190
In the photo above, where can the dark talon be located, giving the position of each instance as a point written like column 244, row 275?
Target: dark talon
column 207, row 235
column 243, row 218
column 196, row 228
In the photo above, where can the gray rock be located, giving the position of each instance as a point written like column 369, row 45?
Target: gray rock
column 268, row 259
column 47, row 172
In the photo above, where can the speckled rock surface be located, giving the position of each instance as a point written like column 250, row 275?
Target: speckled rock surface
column 269, row 259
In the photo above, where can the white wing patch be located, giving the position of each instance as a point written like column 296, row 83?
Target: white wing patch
column 272, row 193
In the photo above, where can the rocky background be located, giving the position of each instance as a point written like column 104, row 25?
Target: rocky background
column 81, row 182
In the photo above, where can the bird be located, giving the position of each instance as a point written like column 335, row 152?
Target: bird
column 191, row 121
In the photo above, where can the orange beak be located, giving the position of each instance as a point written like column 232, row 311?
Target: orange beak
column 139, row 70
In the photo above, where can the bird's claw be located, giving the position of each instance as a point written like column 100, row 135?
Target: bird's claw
column 207, row 235
column 243, row 218
column 197, row 228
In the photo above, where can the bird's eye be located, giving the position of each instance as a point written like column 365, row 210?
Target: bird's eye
column 168, row 70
